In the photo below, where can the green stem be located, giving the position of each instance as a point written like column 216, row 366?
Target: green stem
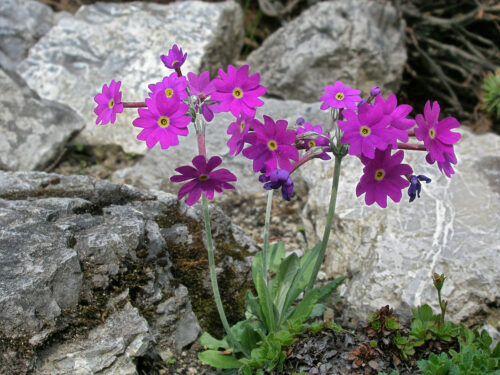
column 269, row 206
column 329, row 221
column 442, row 307
column 213, row 278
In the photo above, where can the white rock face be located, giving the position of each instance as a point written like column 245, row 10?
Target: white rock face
column 33, row 130
column 22, row 23
column 390, row 254
column 157, row 166
column 124, row 42
column 358, row 42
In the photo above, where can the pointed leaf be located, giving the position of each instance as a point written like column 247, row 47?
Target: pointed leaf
column 218, row 360
column 284, row 279
column 275, row 254
column 303, row 310
column 268, row 311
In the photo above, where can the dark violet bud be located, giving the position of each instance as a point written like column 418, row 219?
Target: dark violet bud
column 279, row 178
column 415, row 186
column 374, row 91
column 300, row 121
column 363, row 101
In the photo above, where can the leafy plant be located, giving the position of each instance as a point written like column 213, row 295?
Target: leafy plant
column 473, row 358
column 491, row 93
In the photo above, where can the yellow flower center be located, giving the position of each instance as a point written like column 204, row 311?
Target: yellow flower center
column 111, row 103
column 272, row 145
column 169, row 93
column 242, row 126
column 379, row 175
column 339, row 96
column 175, row 62
column 432, row 133
column 203, row 177
column 163, row 122
column 238, row 93
column 365, row 131
column 311, row 143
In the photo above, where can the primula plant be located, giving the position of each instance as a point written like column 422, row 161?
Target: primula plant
column 376, row 130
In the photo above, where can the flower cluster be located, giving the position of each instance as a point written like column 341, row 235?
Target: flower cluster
column 376, row 130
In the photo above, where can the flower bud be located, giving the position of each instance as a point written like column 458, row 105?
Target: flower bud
column 438, row 280
column 374, row 91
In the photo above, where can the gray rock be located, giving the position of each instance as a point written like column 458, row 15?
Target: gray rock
column 390, row 254
column 110, row 348
column 33, row 130
column 157, row 166
column 74, row 251
column 22, row 24
column 360, row 43
column 124, row 42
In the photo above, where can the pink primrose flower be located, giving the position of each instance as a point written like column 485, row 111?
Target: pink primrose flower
column 366, row 130
column 318, row 142
column 237, row 92
column 398, row 123
column 163, row 120
column 109, row 103
column 238, row 129
column 202, row 179
column 202, row 87
column 271, row 145
column 174, row 58
column 171, row 87
column 340, row 96
column 382, row 177
column 437, row 136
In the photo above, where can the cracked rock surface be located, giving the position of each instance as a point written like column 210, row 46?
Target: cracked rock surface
column 89, row 281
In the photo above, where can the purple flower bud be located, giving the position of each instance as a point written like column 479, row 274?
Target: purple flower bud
column 374, row 91
column 415, row 186
column 300, row 121
column 279, row 178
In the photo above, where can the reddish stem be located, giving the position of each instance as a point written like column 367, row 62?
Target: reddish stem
column 134, row 104
column 411, row 146
column 178, row 71
column 411, row 133
column 201, row 145
column 304, row 159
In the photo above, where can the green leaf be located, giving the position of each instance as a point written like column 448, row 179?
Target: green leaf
column 284, row 279
column 326, row 290
column 275, row 255
column 206, row 339
column 391, row 324
column 268, row 311
column 252, row 306
column 318, row 310
column 303, row 310
column 246, row 334
column 217, row 360
column 300, row 281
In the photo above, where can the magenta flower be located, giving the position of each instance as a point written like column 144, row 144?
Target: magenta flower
column 237, row 92
column 109, row 103
column 202, row 87
column 366, row 130
column 444, row 166
column 164, row 120
column 382, row 177
column 271, row 145
column 340, row 96
column 203, row 179
column 437, row 135
column 398, row 123
column 174, row 58
column 171, row 87
column 318, row 142
column 238, row 129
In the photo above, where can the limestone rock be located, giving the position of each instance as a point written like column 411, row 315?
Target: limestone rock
column 110, row 348
column 106, row 41
column 22, row 24
column 157, row 166
column 390, row 254
column 33, row 130
column 91, row 273
column 358, row 42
